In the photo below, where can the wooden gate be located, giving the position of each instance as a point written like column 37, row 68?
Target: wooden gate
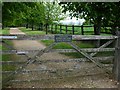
column 67, row 39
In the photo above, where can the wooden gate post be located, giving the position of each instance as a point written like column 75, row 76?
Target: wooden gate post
column 116, row 67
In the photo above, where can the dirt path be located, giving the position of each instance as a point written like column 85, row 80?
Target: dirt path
column 15, row 31
column 72, row 74
column 25, row 44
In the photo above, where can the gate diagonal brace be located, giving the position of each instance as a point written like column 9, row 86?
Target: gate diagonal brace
column 103, row 46
column 31, row 60
column 88, row 57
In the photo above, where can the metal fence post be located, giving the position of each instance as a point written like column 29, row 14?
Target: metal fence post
column 116, row 67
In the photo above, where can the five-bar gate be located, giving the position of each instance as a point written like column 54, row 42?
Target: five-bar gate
column 67, row 39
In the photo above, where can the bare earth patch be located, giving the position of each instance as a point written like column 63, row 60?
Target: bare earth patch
column 65, row 75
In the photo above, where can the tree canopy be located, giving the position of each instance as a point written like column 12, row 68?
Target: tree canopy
column 16, row 13
column 98, row 13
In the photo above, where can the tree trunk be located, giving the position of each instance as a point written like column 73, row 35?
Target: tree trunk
column 97, row 26
column 27, row 25
column 32, row 26
column 114, row 29
column 2, row 26
column 97, row 29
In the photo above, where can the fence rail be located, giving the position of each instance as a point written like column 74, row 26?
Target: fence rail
column 51, row 37
column 57, row 50
column 73, row 29
column 101, row 59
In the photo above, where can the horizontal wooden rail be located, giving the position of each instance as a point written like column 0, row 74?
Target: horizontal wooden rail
column 51, row 37
column 108, row 59
column 85, row 50
column 49, row 70
column 92, row 37
column 57, row 50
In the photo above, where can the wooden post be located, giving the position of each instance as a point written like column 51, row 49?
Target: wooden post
column 73, row 29
column 66, row 29
column 116, row 66
column 95, row 30
column 82, row 31
column 60, row 29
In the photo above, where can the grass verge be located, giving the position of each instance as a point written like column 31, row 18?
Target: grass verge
column 4, row 31
column 31, row 32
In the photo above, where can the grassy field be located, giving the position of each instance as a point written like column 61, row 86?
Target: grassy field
column 30, row 32
column 4, row 31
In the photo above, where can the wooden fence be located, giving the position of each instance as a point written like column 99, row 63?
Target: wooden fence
column 83, row 51
column 71, row 29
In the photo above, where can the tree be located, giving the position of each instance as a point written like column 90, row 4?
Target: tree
column 16, row 13
column 13, row 12
column 99, row 13
column 53, row 11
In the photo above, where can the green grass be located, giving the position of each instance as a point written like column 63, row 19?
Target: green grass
column 32, row 32
column 6, row 57
column 8, row 42
column 4, row 31
column 64, row 45
column 8, row 67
